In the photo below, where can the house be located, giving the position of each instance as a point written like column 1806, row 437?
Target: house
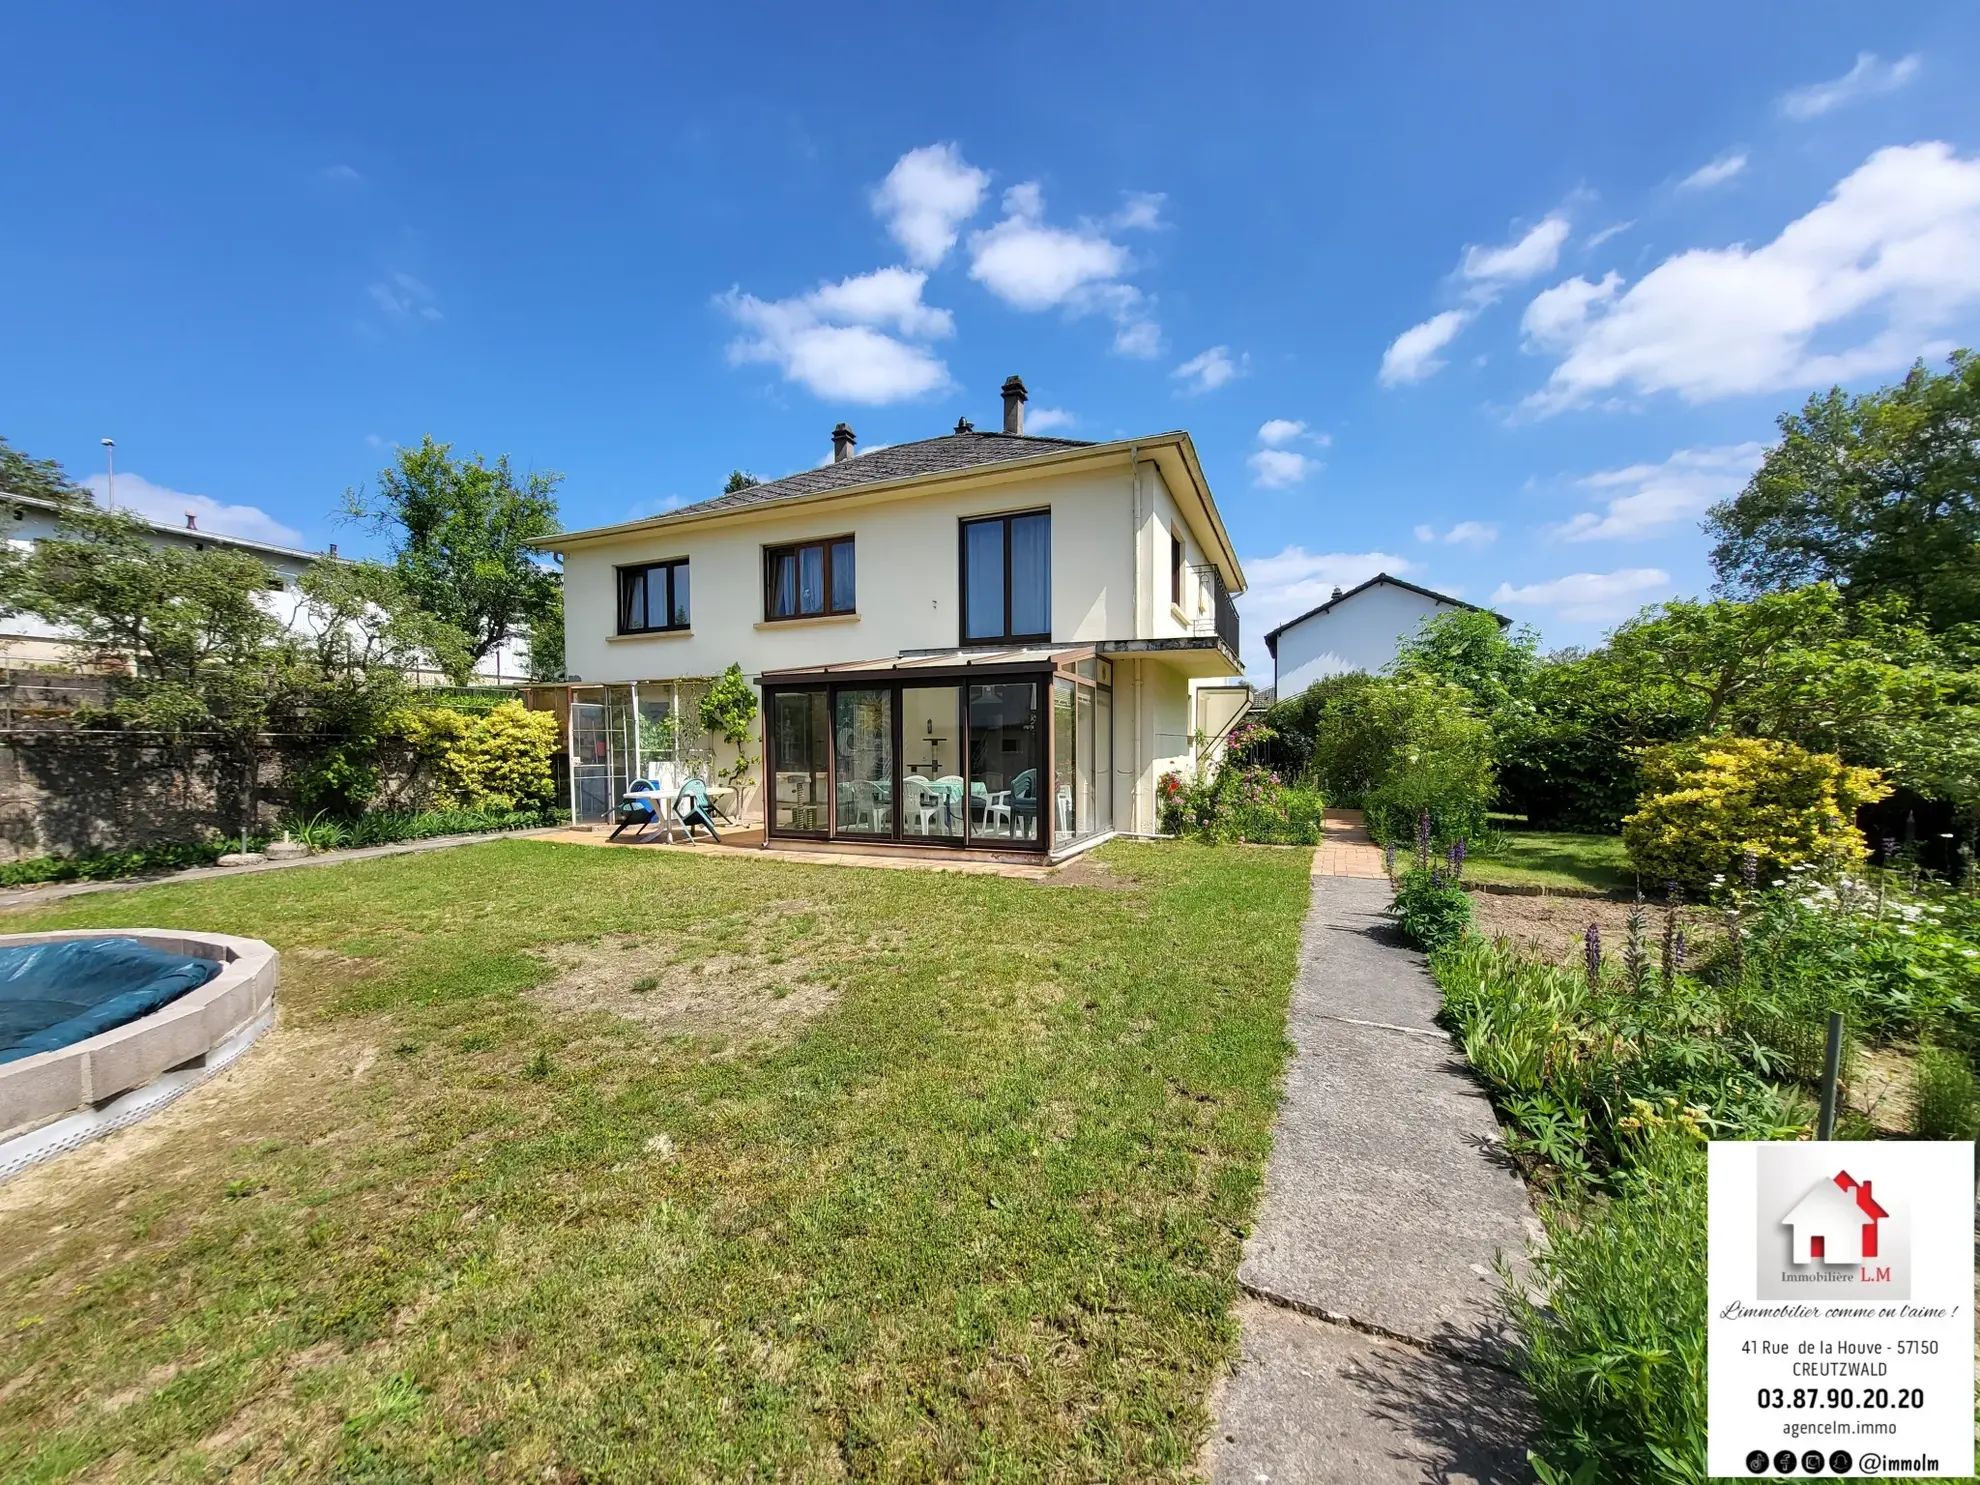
column 1356, row 630
column 982, row 640
column 1836, row 1222
column 28, row 641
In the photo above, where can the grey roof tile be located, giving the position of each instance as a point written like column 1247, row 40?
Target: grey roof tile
column 896, row 461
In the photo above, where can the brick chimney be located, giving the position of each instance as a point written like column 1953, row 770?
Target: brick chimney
column 843, row 440
column 192, row 521
column 1014, row 399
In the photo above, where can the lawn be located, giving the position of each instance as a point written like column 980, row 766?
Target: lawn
column 1550, row 858
column 577, row 1164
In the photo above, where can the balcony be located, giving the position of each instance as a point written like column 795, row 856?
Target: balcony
column 1220, row 616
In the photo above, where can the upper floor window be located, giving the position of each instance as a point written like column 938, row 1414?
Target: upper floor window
column 1176, row 566
column 810, row 579
column 1007, row 578
column 653, row 597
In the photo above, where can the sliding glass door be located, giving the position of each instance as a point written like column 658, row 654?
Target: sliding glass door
column 863, row 762
column 1006, row 757
column 800, row 754
column 932, row 787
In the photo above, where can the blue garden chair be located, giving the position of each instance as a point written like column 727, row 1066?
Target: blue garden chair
column 691, row 805
column 637, row 812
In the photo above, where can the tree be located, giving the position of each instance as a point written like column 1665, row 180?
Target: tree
column 739, row 480
column 462, row 539
column 1472, row 649
column 546, row 639
column 1878, row 494
column 21, row 474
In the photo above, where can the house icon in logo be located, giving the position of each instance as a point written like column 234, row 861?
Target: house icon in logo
column 1836, row 1222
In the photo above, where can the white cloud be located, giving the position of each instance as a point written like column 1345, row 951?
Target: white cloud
column 1275, row 469
column 345, row 175
column 1034, row 266
column 1276, row 433
column 1044, row 419
column 1514, row 262
column 1141, row 211
column 1646, row 497
column 834, row 341
column 404, row 296
column 1596, row 239
column 169, row 507
column 1590, row 595
column 374, row 441
column 1211, row 369
column 1714, row 173
column 1412, row 356
column 1293, row 580
column 1869, row 76
column 1463, row 534
column 926, row 198
column 1896, row 244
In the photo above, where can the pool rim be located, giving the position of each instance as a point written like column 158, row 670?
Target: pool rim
column 95, row 1072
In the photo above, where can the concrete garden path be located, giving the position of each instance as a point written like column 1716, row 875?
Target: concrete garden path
column 1372, row 1344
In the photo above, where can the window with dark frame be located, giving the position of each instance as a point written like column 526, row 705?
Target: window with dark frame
column 1176, row 566
column 1007, row 579
column 653, row 598
column 809, row 580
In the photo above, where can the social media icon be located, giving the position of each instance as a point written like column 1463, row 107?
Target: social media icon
column 1784, row 1462
column 1812, row 1461
column 1839, row 1462
column 1757, row 1461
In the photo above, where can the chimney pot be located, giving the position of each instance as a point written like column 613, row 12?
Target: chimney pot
column 333, row 551
column 192, row 521
column 843, row 440
column 963, row 425
column 1337, row 594
column 1014, row 400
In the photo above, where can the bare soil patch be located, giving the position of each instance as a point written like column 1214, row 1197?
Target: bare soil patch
column 1085, row 871
column 1551, row 928
column 762, row 982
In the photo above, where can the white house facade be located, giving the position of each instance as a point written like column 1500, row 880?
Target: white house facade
column 1360, row 629
column 982, row 640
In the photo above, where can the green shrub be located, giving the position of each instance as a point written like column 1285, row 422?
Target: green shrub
column 1712, row 800
column 497, row 760
column 103, row 866
column 1242, row 802
column 1615, row 1358
column 1324, row 736
column 1431, row 910
column 1942, row 1096
column 388, row 827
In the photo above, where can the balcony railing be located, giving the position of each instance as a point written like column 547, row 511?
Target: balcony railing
column 1219, row 616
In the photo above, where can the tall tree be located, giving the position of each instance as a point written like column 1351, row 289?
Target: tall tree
column 1878, row 494
column 22, row 474
column 739, row 480
column 462, row 533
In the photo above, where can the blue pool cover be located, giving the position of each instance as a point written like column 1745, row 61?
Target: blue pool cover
column 52, row 994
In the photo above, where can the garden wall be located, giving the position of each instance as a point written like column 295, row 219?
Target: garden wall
column 65, row 790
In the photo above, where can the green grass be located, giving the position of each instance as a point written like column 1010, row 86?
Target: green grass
column 1548, row 858
column 979, row 1216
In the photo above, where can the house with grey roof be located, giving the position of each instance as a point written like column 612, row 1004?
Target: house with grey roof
column 980, row 641
column 1361, row 629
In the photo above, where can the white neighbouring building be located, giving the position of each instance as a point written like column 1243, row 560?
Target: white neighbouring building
column 1360, row 629
column 984, row 640
column 28, row 641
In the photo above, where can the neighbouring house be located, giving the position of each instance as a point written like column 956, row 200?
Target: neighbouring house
column 985, row 640
column 1360, row 629
column 1836, row 1222
column 26, row 641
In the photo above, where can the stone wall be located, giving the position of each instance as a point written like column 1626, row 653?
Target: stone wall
column 65, row 790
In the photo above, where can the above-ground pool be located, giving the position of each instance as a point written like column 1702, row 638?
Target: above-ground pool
column 100, row 1027
column 52, row 994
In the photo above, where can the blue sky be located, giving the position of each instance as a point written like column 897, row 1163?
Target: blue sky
column 1494, row 297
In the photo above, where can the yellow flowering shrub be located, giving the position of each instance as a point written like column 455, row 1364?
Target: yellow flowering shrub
column 1711, row 800
column 498, row 760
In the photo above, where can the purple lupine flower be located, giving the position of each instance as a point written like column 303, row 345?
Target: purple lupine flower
column 1749, row 869
column 1423, row 839
column 1436, row 876
column 1677, row 950
column 1890, row 849
column 1591, row 944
